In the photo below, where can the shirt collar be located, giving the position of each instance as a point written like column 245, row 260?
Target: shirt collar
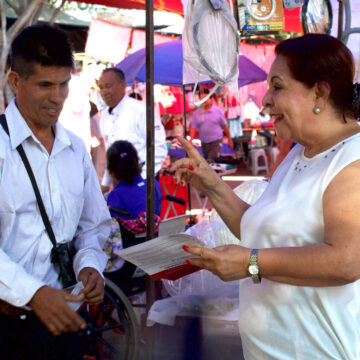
column 138, row 178
column 117, row 109
column 204, row 111
column 20, row 131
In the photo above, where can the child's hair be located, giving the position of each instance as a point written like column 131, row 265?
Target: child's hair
column 123, row 161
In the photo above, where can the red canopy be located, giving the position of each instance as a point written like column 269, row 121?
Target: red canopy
column 174, row 6
column 292, row 17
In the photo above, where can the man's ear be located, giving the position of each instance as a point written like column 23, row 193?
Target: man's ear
column 14, row 79
column 322, row 93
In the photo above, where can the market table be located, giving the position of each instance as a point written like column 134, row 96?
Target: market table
column 179, row 153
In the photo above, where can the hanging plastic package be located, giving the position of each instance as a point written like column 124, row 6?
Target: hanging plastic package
column 210, row 44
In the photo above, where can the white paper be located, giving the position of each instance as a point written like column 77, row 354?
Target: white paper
column 161, row 253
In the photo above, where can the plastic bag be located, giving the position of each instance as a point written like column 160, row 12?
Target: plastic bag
column 221, row 304
column 213, row 233
column 203, row 293
column 210, row 44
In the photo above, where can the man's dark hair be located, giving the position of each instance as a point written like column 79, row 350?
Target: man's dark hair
column 42, row 44
column 123, row 161
column 119, row 73
column 135, row 95
column 204, row 91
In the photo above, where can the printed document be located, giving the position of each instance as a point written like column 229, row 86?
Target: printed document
column 163, row 257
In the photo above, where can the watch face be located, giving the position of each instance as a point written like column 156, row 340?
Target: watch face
column 253, row 269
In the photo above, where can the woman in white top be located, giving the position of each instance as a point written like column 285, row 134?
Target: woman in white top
column 300, row 292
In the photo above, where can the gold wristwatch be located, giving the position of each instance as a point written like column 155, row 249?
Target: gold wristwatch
column 254, row 267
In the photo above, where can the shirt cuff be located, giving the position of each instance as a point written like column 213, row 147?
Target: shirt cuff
column 24, row 291
column 88, row 259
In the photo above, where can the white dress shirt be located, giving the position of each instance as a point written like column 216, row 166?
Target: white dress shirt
column 73, row 201
column 127, row 121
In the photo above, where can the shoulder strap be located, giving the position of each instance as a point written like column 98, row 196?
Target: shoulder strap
column 34, row 184
column 4, row 123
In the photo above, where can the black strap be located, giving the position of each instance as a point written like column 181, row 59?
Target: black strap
column 34, row 184
column 4, row 123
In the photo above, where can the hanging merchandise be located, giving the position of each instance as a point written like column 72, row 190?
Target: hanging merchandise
column 291, row 4
column 261, row 15
column 316, row 16
column 259, row 11
column 210, row 44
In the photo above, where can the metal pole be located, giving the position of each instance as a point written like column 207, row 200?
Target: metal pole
column 236, row 13
column 184, row 115
column 150, row 168
column 184, row 110
column 341, row 19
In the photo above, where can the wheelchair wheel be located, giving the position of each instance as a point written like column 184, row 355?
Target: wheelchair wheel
column 112, row 330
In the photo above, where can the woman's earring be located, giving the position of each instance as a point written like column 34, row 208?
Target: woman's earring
column 317, row 110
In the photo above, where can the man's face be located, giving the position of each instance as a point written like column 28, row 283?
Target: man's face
column 40, row 96
column 207, row 104
column 112, row 90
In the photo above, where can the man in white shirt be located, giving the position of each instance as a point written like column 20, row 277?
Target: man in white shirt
column 124, row 118
column 41, row 68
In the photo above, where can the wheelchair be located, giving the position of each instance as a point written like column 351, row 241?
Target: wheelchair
column 112, row 330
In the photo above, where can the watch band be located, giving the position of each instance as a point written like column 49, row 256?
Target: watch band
column 254, row 267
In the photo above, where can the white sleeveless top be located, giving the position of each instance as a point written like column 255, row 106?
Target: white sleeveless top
column 280, row 321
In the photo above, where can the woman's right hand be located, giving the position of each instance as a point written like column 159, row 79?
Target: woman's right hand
column 195, row 170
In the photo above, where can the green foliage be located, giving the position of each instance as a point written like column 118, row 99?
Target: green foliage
column 91, row 9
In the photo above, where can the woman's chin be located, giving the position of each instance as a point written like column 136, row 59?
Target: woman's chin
column 281, row 134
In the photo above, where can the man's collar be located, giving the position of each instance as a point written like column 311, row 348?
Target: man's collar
column 210, row 108
column 116, row 110
column 20, row 131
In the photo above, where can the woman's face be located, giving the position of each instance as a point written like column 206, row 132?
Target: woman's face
column 289, row 102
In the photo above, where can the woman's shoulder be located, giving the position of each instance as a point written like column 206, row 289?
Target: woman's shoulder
column 345, row 153
column 349, row 147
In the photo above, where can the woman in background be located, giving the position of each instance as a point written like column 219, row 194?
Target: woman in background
column 127, row 203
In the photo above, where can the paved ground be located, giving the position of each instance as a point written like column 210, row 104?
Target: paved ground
column 192, row 339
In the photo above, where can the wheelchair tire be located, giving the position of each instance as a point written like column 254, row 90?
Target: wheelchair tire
column 112, row 330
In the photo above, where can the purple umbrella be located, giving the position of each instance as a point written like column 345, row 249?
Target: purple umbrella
column 168, row 67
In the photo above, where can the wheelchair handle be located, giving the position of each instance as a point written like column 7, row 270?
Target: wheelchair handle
column 175, row 199
column 119, row 211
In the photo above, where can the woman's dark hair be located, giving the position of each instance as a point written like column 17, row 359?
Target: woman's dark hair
column 123, row 161
column 318, row 57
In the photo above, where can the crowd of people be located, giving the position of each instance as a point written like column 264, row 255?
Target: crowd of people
column 297, row 265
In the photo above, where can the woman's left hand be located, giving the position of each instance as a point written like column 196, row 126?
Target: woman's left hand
column 228, row 262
